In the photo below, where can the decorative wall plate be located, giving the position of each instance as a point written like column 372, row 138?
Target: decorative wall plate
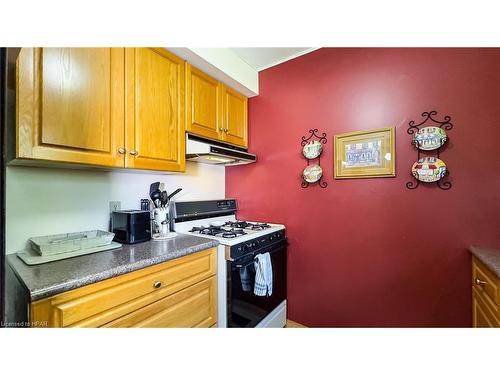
column 312, row 173
column 429, row 169
column 312, row 149
column 430, row 138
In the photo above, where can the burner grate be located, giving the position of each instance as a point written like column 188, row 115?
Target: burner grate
column 218, row 231
column 246, row 225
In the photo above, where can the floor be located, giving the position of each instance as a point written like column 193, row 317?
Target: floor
column 292, row 324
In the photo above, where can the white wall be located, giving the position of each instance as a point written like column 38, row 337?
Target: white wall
column 42, row 201
column 224, row 65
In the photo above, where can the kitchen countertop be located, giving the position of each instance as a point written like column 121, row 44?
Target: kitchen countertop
column 49, row 279
column 490, row 257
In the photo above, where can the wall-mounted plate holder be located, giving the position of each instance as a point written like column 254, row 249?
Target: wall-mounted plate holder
column 311, row 150
column 420, row 146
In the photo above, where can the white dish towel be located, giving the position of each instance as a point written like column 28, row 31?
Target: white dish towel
column 263, row 275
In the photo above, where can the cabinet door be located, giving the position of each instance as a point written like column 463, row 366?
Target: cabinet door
column 481, row 316
column 204, row 104
column 195, row 306
column 70, row 104
column 154, row 117
column 235, row 117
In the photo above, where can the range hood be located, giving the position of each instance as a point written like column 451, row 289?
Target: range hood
column 203, row 150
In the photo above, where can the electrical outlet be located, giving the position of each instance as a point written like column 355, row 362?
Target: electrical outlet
column 115, row 206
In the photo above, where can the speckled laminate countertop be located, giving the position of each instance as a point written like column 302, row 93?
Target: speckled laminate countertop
column 490, row 257
column 49, row 279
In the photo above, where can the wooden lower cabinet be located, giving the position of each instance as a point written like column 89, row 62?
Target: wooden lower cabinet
column 481, row 315
column 191, row 307
column 485, row 296
column 177, row 293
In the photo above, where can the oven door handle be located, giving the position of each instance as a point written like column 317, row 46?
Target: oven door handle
column 253, row 261
column 245, row 265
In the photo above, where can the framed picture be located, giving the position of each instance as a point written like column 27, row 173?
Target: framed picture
column 365, row 154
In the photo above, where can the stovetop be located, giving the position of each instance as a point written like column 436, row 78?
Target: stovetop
column 218, row 231
column 230, row 229
column 227, row 230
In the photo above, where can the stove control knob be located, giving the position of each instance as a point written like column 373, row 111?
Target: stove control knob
column 272, row 237
column 254, row 244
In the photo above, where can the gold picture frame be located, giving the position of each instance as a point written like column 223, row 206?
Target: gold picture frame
column 365, row 154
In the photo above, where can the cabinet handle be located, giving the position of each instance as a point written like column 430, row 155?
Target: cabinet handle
column 225, row 130
column 221, row 130
column 157, row 284
column 480, row 282
column 134, row 153
column 121, row 150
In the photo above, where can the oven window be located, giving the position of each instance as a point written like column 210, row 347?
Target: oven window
column 245, row 309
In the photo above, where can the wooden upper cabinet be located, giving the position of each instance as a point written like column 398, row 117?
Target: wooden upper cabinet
column 119, row 107
column 234, row 117
column 70, row 105
column 213, row 110
column 155, row 96
column 203, row 104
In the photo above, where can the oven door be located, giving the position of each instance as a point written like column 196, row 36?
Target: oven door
column 244, row 308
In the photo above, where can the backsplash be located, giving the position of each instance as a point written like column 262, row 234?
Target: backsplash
column 42, row 201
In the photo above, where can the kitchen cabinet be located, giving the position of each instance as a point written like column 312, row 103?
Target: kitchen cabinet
column 155, row 96
column 204, row 104
column 485, row 296
column 111, row 107
column 177, row 293
column 215, row 111
column 70, row 105
column 234, row 117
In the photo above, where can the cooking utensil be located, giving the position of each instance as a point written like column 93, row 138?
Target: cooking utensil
column 164, row 198
column 153, row 187
column 156, row 197
column 174, row 193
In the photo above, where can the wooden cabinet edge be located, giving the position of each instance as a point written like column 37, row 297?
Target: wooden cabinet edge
column 480, row 301
column 24, row 108
column 488, row 306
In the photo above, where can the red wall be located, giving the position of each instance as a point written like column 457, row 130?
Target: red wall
column 370, row 252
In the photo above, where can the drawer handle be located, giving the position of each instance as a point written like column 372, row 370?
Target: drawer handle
column 157, row 284
column 480, row 282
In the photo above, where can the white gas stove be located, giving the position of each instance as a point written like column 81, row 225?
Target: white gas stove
column 227, row 229
column 240, row 241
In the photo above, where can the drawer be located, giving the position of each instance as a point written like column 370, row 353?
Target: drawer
column 102, row 302
column 482, row 316
column 194, row 306
column 486, row 284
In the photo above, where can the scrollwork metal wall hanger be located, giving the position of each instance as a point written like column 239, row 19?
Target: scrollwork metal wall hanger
column 434, row 145
column 311, row 150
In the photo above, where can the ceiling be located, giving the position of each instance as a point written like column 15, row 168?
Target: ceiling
column 261, row 58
